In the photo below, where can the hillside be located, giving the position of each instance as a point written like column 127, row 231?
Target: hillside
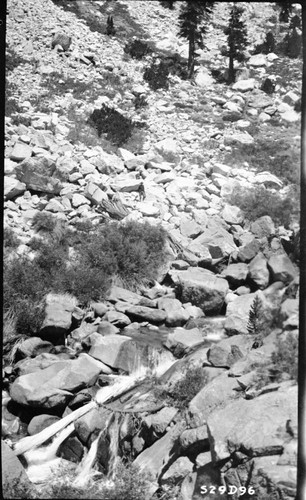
column 151, row 254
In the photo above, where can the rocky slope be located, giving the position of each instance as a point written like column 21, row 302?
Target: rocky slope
column 234, row 432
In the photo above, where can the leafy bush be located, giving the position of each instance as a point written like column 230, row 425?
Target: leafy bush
column 137, row 49
column 184, row 390
column 109, row 121
column 43, row 221
column 259, row 201
column 157, row 75
column 10, row 240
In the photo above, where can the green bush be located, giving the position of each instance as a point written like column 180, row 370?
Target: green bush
column 157, row 75
column 109, row 121
column 137, row 49
column 259, row 201
column 10, row 240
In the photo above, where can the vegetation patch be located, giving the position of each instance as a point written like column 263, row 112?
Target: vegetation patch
column 157, row 75
column 258, row 201
column 137, row 49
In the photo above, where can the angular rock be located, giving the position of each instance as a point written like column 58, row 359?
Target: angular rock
column 176, row 314
column 107, row 328
column 15, row 481
column 142, row 313
column 168, row 149
column 39, row 174
column 202, row 288
column 282, row 268
column 118, row 294
column 177, row 471
column 40, row 362
column 237, row 314
column 258, row 425
column 117, row 319
column 189, row 227
column 89, row 426
column 259, row 272
column 232, row 214
column 249, row 250
column 72, row 450
column 264, row 226
column 53, row 386
column 181, row 340
column 95, row 194
column 229, row 351
column 33, row 347
column 244, row 85
column 217, row 240
column 13, row 187
column 58, row 318
column 21, row 152
column 159, row 421
column 235, row 274
column 190, row 437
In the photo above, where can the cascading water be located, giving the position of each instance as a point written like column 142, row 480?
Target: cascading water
column 158, row 363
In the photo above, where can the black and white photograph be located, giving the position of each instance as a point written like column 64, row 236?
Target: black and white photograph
column 154, row 250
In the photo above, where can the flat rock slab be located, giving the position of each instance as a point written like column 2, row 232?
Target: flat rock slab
column 54, row 385
column 142, row 313
column 119, row 294
column 182, row 340
column 257, row 426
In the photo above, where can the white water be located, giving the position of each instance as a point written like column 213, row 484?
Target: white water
column 84, row 470
column 114, row 444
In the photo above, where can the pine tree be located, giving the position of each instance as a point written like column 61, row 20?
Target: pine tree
column 110, row 29
column 285, row 11
column 194, row 18
column 255, row 322
column 237, row 40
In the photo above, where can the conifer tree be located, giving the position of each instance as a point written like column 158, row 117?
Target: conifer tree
column 237, row 40
column 194, row 18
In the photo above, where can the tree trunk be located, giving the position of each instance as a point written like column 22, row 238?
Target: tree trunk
column 231, row 71
column 191, row 55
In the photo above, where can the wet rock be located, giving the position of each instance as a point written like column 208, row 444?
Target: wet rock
column 181, row 340
column 235, row 274
column 262, row 424
column 177, row 471
column 88, row 426
column 53, row 386
column 202, row 288
column 72, row 450
column 41, row 422
column 282, row 268
column 176, row 314
column 259, row 272
column 14, row 476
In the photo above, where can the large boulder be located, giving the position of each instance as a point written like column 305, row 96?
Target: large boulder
column 58, row 318
column 41, row 422
column 182, row 341
column 39, row 174
column 237, row 314
column 176, row 314
column 13, row 187
column 169, row 150
column 258, row 425
column 40, row 362
column 202, row 288
column 119, row 294
column 229, row 351
column 89, row 426
column 32, row 347
column 282, row 268
column 236, row 274
column 217, row 240
column 159, row 421
column 177, row 471
column 259, row 272
column 54, row 386
column 15, row 482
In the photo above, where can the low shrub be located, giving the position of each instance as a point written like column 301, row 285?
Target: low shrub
column 259, row 201
column 44, row 221
column 109, row 121
column 10, row 240
column 140, row 101
column 184, row 390
column 137, row 49
column 157, row 75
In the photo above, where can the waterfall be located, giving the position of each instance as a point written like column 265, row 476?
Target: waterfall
column 113, row 430
column 84, row 470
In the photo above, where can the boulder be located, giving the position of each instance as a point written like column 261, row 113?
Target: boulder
column 41, row 422
column 282, row 268
column 257, row 60
column 191, row 437
column 15, row 482
column 259, row 272
column 39, row 174
column 21, row 151
column 237, row 314
column 232, row 214
column 107, row 328
column 217, row 240
column 240, row 138
column 119, row 352
column 71, row 449
column 235, row 274
column 13, row 187
column 228, row 351
column 189, row 228
column 32, row 347
column 258, row 425
column 142, row 313
column 177, row 471
column 244, row 85
column 282, row 477
column 118, row 294
column 202, row 288
column 176, row 314
column 182, row 341
column 95, row 194
column 40, row 362
column 53, row 386
column 264, row 226
column 159, row 421
column 58, row 318
column 117, row 319
column 218, row 393
column 89, row 426
column 169, row 150
column 249, row 250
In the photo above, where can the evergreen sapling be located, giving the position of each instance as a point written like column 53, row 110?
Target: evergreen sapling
column 237, row 40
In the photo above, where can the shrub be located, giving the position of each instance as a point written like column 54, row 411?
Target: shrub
column 109, row 121
column 184, row 390
column 43, row 221
column 259, row 201
column 10, row 240
column 157, row 75
column 140, row 101
column 137, row 49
